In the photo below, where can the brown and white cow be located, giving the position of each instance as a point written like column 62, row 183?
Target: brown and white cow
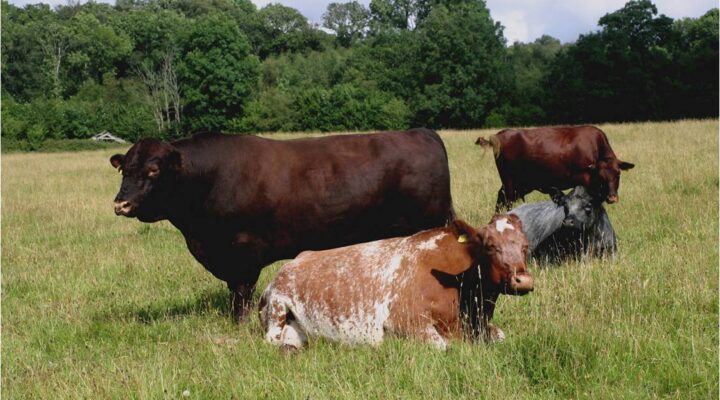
column 433, row 286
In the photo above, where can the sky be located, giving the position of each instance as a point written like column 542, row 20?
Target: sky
column 524, row 20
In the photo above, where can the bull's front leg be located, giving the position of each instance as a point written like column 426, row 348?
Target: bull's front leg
column 241, row 291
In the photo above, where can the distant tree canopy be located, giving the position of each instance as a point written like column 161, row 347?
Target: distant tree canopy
column 166, row 68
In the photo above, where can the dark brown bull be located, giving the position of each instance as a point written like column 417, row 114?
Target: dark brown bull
column 555, row 158
column 242, row 202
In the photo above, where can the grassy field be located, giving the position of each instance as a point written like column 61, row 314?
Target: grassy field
column 96, row 306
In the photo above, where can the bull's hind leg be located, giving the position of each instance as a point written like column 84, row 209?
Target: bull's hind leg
column 281, row 328
column 503, row 200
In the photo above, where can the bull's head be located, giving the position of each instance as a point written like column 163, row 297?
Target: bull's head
column 150, row 169
column 605, row 176
column 501, row 249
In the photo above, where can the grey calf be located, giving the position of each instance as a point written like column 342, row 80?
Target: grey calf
column 571, row 226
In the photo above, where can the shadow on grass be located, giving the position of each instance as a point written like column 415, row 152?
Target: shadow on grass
column 216, row 302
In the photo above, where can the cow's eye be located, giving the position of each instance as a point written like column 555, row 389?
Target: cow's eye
column 153, row 172
column 588, row 209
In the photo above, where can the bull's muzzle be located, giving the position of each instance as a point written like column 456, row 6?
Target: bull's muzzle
column 522, row 284
column 123, row 208
column 613, row 198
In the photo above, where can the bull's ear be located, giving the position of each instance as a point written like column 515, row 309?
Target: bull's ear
column 556, row 195
column 626, row 165
column 117, row 160
column 174, row 160
column 463, row 231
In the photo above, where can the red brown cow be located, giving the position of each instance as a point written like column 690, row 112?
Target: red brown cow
column 555, row 158
column 243, row 202
column 434, row 286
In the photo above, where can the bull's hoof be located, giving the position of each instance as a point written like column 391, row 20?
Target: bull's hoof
column 241, row 314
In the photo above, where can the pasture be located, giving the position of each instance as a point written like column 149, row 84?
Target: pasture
column 97, row 306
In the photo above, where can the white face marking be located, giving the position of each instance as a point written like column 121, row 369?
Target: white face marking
column 503, row 224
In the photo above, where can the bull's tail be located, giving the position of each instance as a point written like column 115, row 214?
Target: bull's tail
column 491, row 141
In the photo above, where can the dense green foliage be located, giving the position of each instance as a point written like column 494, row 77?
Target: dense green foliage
column 165, row 68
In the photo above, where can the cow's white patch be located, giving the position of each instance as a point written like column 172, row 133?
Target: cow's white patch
column 499, row 335
column 386, row 274
column 274, row 334
column 431, row 244
column 434, row 338
column 363, row 282
column 292, row 335
column 503, row 224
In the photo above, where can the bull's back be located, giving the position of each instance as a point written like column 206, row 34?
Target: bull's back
column 327, row 192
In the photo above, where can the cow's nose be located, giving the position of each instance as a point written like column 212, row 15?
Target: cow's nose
column 522, row 283
column 569, row 223
column 122, row 207
column 613, row 198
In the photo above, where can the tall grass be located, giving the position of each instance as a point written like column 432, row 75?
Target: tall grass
column 95, row 306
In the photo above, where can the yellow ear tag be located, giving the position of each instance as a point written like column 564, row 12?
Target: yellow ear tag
column 462, row 238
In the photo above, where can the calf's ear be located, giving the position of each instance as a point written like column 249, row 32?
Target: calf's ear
column 515, row 220
column 556, row 195
column 626, row 165
column 464, row 232
column 117, row 160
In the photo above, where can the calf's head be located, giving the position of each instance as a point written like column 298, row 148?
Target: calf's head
column 582, row 210
column 150, row 169
column 500, row 248
column 606, row 177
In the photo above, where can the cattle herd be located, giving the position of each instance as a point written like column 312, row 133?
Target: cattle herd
column 369, row 221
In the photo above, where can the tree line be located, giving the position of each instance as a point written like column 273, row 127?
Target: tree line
column 166, row 68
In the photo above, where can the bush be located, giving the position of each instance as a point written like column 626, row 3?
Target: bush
column 36, row 135
column 271, row 112
column 346, row 107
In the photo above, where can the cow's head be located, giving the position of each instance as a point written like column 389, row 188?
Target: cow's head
column 150, row 169
column 606, row 177
column 501, row 249
column 582, row 210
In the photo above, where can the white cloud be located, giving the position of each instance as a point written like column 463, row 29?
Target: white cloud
column 524, row 20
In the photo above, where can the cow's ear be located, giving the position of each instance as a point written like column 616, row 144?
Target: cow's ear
column 626, row 165
column 464, row 232
column 117, row 160
column 556, row 195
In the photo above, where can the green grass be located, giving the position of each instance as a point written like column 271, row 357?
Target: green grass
column 55, row 145
column 95, row 306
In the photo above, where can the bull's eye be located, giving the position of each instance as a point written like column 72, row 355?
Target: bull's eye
column 153, row 172
column 588, row 209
